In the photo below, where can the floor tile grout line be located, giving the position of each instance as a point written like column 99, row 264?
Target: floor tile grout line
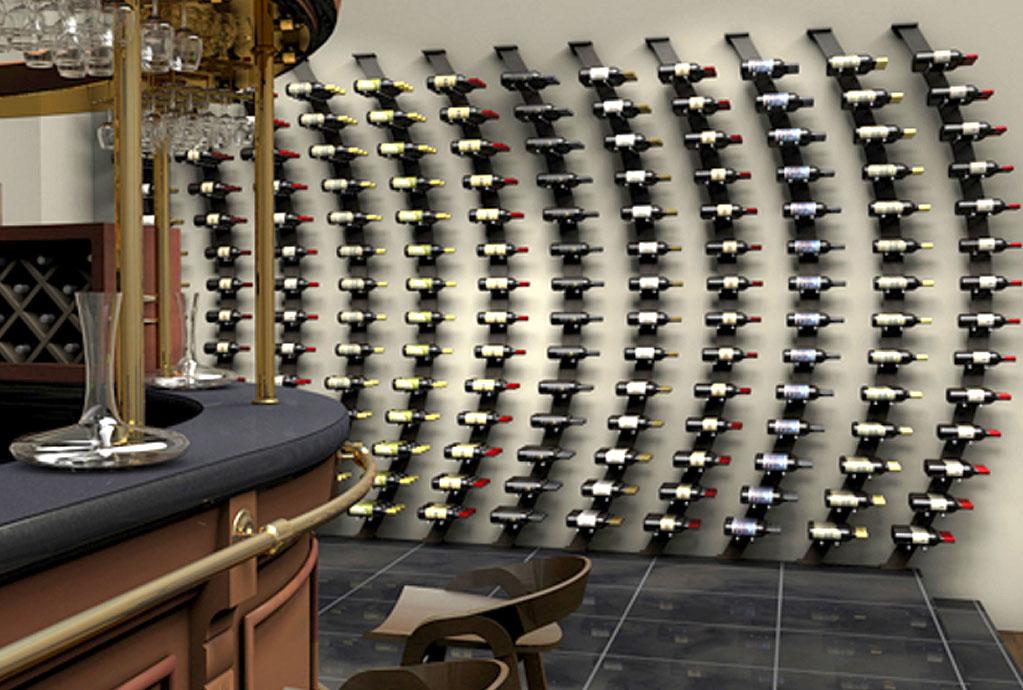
column 369, row 579
column 941, row 630
column 998, row 641
column 777, row 627
column 618, row 626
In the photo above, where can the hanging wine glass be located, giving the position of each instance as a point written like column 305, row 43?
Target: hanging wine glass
column 157, row 43
column 187, row 373
column 49, row 25
column 187, row 46
column 105, row 136
column 100, row 439
column 69, row 52
column 99, row 50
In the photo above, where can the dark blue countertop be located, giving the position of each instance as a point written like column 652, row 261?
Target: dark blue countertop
column 50, row 515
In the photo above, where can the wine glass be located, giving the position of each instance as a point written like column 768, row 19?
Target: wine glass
column 157, row 43
column 48, row 18
column 99, row 49
column 3, row 25
column 105, row 136
column 20, row 25
column 68, row 53
column 187, row 46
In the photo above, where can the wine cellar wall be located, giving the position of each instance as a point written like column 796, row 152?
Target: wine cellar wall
column 619, row 32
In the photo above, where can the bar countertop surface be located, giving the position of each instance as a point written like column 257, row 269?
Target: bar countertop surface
column 48, row 515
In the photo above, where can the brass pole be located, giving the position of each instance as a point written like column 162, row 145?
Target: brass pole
column 27, row 652
column 165, row 298
column 131, row 364
column 264, row 107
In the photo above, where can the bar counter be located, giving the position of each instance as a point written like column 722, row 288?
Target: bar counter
column 70, row 540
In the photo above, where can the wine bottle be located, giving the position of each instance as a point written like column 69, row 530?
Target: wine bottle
column 727, row 322
column 685, row 71
column 640, row 389
column 863, row 99
column 792, row 427
column 845, row 499
column 786, row 137
column 986, row 246
column 647, row 354
column 710, row 138
column 570, row 354
column 443, row 512
column 983, row 207
column 620, row 457
column 882, row 134
column 313, row 91
column 937, row 503
column 574, row 319
column 811, row 248
column 698, row 459
column 965, row 171
column 684, row 493
column 986, row 284
column 499, row 250
column 711, row 426
column 381, row 86
column 896, row 322
column 699, row 104
column 980, row 359
column 915, row 535
column 765, row 496
column 248, row 153
column 294, row 286
column 857, row 465
column 454, row 83
column 357, row 252
column 543, row 454
column 419, row 217
column 467, row 114
column 457, row 482
column 488, row 181
column 780, row 463
column 888, row 394
column 326, row 122
column 879, row 430
column 833, row 532
column 964, row 433
column 352, row 219
column 497, row 317
column 718, row 391
column 565, row 180
column 226, row 318
column 619, row 108
column 646, row 212
column 748, row 528
column 562, row 389
column 292, row 351
column 780, row 102
column 575, row 285
column 478, row 148
column 984, row 322
column 427, row 318
column 424, row 352
column 893, row 358
column 337, row 154
column 375, row 509
column 895, row 209
column 356, row 351
column 632, row 422
column 470, row 451
column 359, row 317
column 898, row 246
column 651, row 248
column 606, row 76
column 225, row 254
column 952, row 468
column 801, row 173
column 227, row 286
column 807, row 209
column 553, row 146
column 404, row 150
column 397, row 119
column 209, row 160
column 225, row 349
column 800, row 392
column 570, row 215
column 218, row 221
column 574, row 251
column 731, row 285
column 493, row 216
column 487, row 386
column 962, row 94
column 427, row 251
column 660, row 523
column 719, row 176
column 527, row 80
column 349, row 383
column 414, row 183
column 290, row 381
column 652, row 285
column 630, row 142
column 212, row 189
column 721, row 248
column 496, row 353
column 482, row 419
column 500, row 284
column 941, row 60
column 540, row 112
column 806, row 357
column 607, row 488
column 592, row 519
column 554, row 422
column 813, row 285
column 725, row 211
column 427, row 285
column 970, row 131
column 771, row 68
column 513, row 516
column 898, row 285
column 412, row 384
column 726, row 355
column 360, row 286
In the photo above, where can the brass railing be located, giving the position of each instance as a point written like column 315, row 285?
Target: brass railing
column 48, row 642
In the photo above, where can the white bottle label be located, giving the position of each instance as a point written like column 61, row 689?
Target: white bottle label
column 635, row 176
column 986, row 244
column 484, row 385
column 627, row 421
column 599, row 73
column 985, row 319
column 888, row 208
column 327, row 150
column 731, row 283
column 795, row 391
column 890, row 320
column 586, row 518
column 759, row 495
column 919, row 536
column 970, row 129
column 744, row 527
column 212, row 218
column 729, row 247
column 624, row 141
column 469, row 145
column 667, row 524
column 352, row 284
column 987, row 282
column 698, row 458
column 958, row 92
column 223, row 348
column 978, row 167
column 796, row 173
column 940, row 57
column 871, row 132
column 718, row 174
column 684, row 492
column 487, row 215
column 709, row 424
column 616, row 456
column 774, row 101
column 954, row 468
column 857, row 96
column 726, row 354
column 445, row 81
column 965, row 432
column 975, row 395
column 878, row 170
column 646, row 248
column 885, row 357
column 845, row 62
column 475, row 418
column 697, row 102
column 786, row 427
column 718, row 390
column 760, row 66
column 494, row 317
column 635, row 388
column 981, row 357
column 723, row 210
column 892, row 283
column 708, row 137
column 826, row 531
column 340, row 217
column 857, row 465
column 492, row 351
column 645, row 352
column 803, row 209
column 224, row 315
column 869, row 429
column 774, row 462
column 647, row 283
column 984, row 205
column 806, row 319
column 880, row 393
column 683, row 69
column 311, row 119
column 602, row 487
column 224, row 252
column 481, row 181
column 786, row 136
column 458, row 113
column 380, row 116
column 613, row 106
column 886, row 246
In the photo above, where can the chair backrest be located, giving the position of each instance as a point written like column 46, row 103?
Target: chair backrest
column 542, row 591
column 474, row 674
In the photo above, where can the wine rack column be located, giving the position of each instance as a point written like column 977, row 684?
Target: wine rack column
column 222, row 251
column 723, row 249
column 643, row 214
column 572, row 283
column 883, row 395
column 498, row 283
column 426, row 281
column 804, row 210
column 354, row 249
column 981, row 283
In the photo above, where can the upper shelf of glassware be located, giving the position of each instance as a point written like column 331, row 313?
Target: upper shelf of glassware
column 68, row 47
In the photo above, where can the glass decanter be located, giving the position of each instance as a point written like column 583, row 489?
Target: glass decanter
column 188, row 373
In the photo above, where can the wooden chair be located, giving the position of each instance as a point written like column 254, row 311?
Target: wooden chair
column 474, row 674
column 519, row 627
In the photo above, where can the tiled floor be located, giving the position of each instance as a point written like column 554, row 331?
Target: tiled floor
column 689, row 623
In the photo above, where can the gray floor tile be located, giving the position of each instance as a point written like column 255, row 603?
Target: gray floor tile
column 694, row 642
column 604, row 601
column 341, row 656
column 962, row 621
column 356, row 554
column 981, row 661
column 803, row 680
column 843, row 584
column 674, row 574
column 897, row 658
column 624, row 673
column 705, row 607
column 858, row 619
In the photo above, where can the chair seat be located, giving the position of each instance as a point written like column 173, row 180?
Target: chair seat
column 416, row 605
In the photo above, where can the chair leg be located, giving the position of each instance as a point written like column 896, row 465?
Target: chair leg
column 435, row 653
column 536, row 679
